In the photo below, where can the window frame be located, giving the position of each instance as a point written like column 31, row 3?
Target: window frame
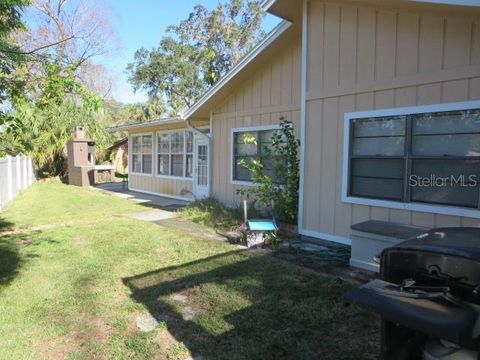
column 185, row 153
column 410, row 206
column 131, row 153
column 232, row 150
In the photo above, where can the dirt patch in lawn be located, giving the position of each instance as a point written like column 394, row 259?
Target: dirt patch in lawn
column 171, row 349
column 191, row 294
column 88, row 333
column 191, row 302
column 56, row 348
column 80, row 240
column 23, row 242
column 43, row 227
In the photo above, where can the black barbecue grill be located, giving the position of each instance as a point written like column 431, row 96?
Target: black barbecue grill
column 428, row 296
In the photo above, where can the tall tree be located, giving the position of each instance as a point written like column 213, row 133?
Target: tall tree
column 197, row 53
column 138, row 112
column 63, row 38
column 70, row 33
column 42, row 126
column 85, row 23
column 10, row 55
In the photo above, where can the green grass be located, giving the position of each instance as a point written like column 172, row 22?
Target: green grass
column 213, row 213
column 54, row 202
column 73, row 291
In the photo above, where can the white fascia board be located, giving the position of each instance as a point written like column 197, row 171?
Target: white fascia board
column 262, row 45
column 452, row 2
column 266, row 4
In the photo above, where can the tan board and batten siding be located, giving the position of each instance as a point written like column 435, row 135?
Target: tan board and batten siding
column 365, row 58
column 272, row 92
column 164, row 186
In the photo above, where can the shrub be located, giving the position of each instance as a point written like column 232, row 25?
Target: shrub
column 276, row 174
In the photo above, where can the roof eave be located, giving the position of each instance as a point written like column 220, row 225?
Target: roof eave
column 147, row 124
column 266, row 4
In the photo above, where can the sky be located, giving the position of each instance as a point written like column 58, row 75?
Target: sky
column 142, row 24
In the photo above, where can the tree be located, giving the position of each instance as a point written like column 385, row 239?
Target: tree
column 96, row 78
column 42, row 127
column 56, row 77
column 120, row 114
column 69, row 33
column 10, row 55
column 84, row 22
column 197, row 52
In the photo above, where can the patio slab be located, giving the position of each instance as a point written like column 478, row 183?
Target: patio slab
column 321, row 250
column 146, row 322
column 322, row 256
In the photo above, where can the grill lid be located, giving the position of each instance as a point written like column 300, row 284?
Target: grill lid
column 431, row 313
column 455, row 241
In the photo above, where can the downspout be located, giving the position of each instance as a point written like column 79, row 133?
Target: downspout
column 303, row 115
column 210, row 152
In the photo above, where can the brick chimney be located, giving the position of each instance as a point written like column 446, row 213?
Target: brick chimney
column 79, row 133
column 81, row 159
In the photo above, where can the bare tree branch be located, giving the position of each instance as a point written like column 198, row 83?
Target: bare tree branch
column 31, row 52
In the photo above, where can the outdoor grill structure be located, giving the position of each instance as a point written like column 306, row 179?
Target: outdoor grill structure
column 428, row 296
column 81, row 159
column 82, row 169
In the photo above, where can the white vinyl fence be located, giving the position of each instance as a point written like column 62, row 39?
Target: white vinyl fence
column 16, row 174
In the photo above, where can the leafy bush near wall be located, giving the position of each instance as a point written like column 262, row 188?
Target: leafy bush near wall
column 276, row 173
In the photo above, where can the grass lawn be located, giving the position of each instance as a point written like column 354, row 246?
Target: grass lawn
column 75, row 275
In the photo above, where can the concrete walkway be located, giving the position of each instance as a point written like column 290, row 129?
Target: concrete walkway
column 163, row 211
column 116, row 188
column 152, row 215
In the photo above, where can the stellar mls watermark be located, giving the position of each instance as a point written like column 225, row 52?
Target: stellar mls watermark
column 443, row 181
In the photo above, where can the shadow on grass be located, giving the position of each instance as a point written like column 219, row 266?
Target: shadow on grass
column 256, row 307
column 9, row 262
column 10, row 259
column 5, row 225
column 10, row 244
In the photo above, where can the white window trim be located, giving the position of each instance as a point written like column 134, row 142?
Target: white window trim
column 412, row 206
column 130, row 155
column 171, row 177
column 232, row 145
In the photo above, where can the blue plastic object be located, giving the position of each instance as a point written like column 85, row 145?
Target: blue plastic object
column 262, row 225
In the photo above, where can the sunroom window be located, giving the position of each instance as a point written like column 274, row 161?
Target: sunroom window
column 175, row 154
column 142, row 154
column 429, row 158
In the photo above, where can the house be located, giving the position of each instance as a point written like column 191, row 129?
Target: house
column 384, row 96
column 119, row 155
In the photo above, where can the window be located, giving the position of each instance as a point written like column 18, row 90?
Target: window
column 246, row 151
column 175, row 154
column 188, row 154
column 431, row 158
column 163, row 154
column 142, row 154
